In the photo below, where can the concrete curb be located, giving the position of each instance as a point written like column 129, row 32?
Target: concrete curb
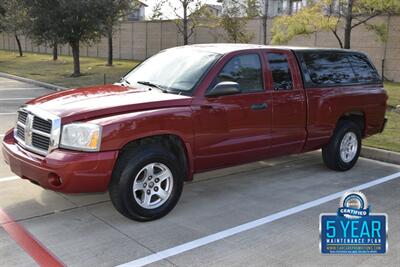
column 34, row 82
column 381, row 155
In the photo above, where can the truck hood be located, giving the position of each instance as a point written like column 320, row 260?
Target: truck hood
column 90, row 102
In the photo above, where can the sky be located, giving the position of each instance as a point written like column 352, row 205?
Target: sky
column 167, row 9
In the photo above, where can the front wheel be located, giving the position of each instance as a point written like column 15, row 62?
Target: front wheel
column 343, row 150
column 147, row 183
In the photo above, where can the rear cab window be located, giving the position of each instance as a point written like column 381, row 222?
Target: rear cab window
column 336, row 68
column 364, row 71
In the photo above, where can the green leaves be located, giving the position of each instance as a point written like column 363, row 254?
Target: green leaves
column 157, row 13
column 13, row 16
column 306, row 21
column 380, row 29
column 376, row 6
column 234, row 23
column 71, row 20
column 332, row 16
column 253, row 8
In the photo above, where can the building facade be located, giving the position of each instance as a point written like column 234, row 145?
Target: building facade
column 139, row 13
column 275, row 7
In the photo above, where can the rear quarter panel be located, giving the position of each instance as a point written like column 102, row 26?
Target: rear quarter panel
column 327, row 105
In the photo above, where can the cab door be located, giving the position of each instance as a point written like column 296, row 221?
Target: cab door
column 289, row 107
column 232, row 129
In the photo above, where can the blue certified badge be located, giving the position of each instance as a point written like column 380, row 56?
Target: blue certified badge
column 353, row 229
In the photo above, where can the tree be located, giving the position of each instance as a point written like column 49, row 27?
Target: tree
column 78, row 22
column 83, row 22
column 335, row 16
column 156, row 11
column 2, row 9
column 234, row 23
column 44, row 23
column 116, row 10
column 13, row 19
column 265, row 21
column 289, row 7
column 189, row 15
column 253, row 8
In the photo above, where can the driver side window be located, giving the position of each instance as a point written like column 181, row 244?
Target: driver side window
column 246, row 70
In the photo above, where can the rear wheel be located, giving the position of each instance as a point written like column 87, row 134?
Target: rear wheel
column 147, row 182
column 343, row 150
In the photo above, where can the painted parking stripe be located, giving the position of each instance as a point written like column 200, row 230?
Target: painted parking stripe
column 250, row 225
column 8, row 113
column 27, row 242
column 11, row 81
column 21, row 88
column 10, row 178
column 12, row 99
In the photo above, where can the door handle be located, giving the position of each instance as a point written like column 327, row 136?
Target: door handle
column 259, row 106
column 206, row 107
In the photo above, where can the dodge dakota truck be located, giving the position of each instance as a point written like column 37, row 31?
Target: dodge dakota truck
column 196, row 108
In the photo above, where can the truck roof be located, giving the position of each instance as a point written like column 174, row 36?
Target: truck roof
column 224, row 48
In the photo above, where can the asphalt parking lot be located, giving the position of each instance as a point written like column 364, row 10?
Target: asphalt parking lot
column 260, row 214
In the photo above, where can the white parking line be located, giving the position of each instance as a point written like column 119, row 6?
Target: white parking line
column 8, row 113
column 21, row 88
column 9, row 81
column 250, row 225
column 10, row 178
column 12, row 99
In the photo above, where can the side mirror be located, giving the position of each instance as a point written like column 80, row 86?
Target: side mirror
column 224, row 88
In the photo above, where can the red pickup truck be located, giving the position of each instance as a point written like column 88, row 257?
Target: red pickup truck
column 192, row 109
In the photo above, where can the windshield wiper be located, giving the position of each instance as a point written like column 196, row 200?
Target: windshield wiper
column 153, row 85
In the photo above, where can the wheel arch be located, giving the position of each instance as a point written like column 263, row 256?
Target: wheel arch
column 175, row 143
column 356, row 116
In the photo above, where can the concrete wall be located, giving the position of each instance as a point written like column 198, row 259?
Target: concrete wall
column 139, row 40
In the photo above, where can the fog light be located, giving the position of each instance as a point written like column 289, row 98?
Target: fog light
column 55, row 180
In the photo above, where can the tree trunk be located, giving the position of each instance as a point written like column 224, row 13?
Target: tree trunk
column 19, row 45
column 265, row 21
column 347, row 38
column 337, row 38
column 289, row 7
column 55, row 50
column 75, row 55
column 347, row 28
column 185, row 25
column 110, row 48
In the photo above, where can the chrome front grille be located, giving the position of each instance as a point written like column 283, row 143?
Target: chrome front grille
column 37, row 130
column 41, row 125
column 22, row 116
column 41, row 142
column 20, row 132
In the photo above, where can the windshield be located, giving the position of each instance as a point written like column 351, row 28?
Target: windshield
column 173, row 70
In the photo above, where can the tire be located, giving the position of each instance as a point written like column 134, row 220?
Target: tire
column 348, row 135
column 133, row 180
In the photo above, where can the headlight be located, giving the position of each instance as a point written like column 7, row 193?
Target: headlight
column 81, row 136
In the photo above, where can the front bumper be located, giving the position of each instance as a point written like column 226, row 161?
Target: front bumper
column 61, row 170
